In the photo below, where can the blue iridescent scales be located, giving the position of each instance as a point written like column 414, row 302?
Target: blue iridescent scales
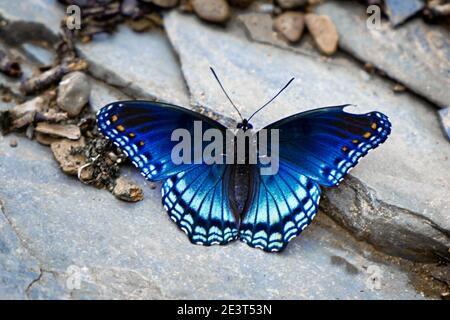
column 317, row 147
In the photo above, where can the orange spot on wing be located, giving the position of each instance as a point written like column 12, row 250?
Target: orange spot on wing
column 120, row 128
column 344, row 148
column 141, row 143
column 373, row 126
column 355, row 141
column 132, row 135
column 367, row 134
column 114, row 118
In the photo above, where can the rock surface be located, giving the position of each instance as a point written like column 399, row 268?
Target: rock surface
column 73, row 92
column 398, row 199
column 111, row 249
column 417, row 55
column 144, row 75
column 400, row 10
column 48, row 13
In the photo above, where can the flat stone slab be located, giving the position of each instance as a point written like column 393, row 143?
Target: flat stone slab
column 114, row 249
column 415, row 54
column 46, row 12
column 142, row 65
column 397, row 198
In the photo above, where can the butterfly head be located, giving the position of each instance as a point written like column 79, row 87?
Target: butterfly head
column 244, row 125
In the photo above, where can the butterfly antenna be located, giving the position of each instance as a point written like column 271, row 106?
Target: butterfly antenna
column 287, row 84
column 221, row 86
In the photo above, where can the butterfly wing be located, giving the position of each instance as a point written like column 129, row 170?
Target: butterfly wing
column 282, row 206
column 194, row 195
column 326, row 143
column 315, row 147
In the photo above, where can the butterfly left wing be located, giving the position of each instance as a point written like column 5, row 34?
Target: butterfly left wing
column 315, row 147
column 195, row 195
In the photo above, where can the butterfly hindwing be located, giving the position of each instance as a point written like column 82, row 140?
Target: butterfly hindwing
column 283, row 205
column 197, row 201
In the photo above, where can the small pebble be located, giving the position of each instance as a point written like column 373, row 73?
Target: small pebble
column 323, row 32
column 212, row 10
column 127, row 190
column 290, row 25
column 13, row 143
column 73, row 93
column 290, row 4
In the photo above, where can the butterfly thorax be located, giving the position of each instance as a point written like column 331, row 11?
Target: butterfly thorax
column 244, row 125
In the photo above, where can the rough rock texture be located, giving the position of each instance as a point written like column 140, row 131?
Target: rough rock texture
column 40, row 12
column 400, row 10
column 417, row 55
column 407, row 177
column 144, row 75
column 112, row 249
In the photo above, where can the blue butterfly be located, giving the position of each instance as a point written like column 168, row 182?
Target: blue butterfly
column 218, row 203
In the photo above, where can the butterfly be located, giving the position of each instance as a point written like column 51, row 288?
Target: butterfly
column 220, row 202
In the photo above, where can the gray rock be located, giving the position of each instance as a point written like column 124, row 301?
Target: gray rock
column 135, row 251
column 400, row 10
column 407, row 177
column 18, row 268
column 444, row 115
column 141, row 65
column 102, row 94
column 73, row 92
column 47, row 13
column 417, row 55
column 40, row 55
